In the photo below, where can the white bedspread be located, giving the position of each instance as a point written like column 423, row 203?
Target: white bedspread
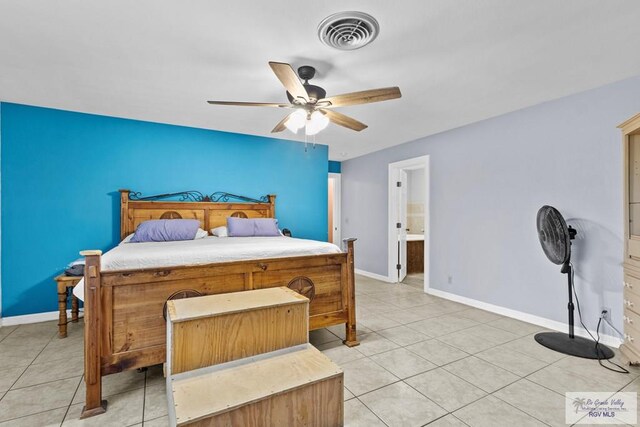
column 133, row 256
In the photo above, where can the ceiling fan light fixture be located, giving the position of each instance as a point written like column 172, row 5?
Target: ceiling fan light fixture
column 317, row 122
column 296, row 121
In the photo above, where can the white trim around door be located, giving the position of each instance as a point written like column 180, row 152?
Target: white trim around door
column 394, row 172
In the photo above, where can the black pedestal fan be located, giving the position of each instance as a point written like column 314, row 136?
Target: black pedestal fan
column 555, row 238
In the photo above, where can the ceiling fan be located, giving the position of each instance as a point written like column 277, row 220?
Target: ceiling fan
column 313, row 110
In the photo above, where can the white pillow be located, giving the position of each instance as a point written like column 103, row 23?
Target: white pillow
column 201, row 234
column 126, row 239
column 220, row 231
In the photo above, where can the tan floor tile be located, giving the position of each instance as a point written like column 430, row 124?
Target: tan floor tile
column 5, row 331
column 481, row 374
column 155, row 401
column 50, row 371
column 9, row 376
column 358, row 415
column 592, row 369
column 478, row 315
column 158, row 422
column 537, row 401
column 62, row 349
column 339, row 352
column 446, row 389
column 466, row 341
column 400, row 405
column 443, row 325
column 20, row 347
column 155, row 375
column 411, row 315
column 8, row 362
column 114, row 384
column 37, row 330
column 124, row 409
column 43, row 419
column 447, row 421
column 517, row 363
column 561, row 380
column 516, row 326
column 340, row 332
column 376, row 322
column 364, row 375
column 403, row 335
column 528, row 346
column 410, row 300
column 437, row 352
column 321, row 336
column 402, row 363
column 375, row 305
column 347, row 394
column 493, row 335
column 492, row 412
column 39, row 398
column 373, row 343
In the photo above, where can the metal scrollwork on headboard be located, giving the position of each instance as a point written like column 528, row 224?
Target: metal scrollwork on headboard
column 196, row 196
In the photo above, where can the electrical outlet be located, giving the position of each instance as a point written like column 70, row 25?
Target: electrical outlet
column 605, row 312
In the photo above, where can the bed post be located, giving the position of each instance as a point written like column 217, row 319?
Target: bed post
column 351, row 338
column 272, row 202
column 124, row 216
column 94, row 405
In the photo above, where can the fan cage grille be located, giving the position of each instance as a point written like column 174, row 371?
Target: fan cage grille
column 348, row 30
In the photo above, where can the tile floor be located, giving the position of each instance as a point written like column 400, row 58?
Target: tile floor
column 422, row 360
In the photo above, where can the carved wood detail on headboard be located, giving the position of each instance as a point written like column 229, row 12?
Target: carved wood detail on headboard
column 135, row 209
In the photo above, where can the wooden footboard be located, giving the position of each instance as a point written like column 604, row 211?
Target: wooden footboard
column 124, row 310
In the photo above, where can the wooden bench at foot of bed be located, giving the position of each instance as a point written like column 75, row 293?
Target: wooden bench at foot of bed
column 125, row 325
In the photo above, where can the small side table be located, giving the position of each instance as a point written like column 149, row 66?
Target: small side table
column 65, row 287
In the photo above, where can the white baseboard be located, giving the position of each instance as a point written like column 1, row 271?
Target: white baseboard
column 32, row 318
column 525, row 317
column 374, row 276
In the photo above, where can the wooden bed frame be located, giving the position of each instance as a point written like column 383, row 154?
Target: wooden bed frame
column 124, row 310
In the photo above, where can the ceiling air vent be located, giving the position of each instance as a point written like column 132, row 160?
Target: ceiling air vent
column 348, row 30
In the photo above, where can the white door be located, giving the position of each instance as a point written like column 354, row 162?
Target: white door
column 402, row 222
column 334, row 208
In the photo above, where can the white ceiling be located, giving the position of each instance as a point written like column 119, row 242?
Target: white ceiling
column 456, row 61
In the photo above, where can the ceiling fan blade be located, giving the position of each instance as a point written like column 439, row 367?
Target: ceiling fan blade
column 363, row 97
column 289, row 80
column 280, row 126
column 342, row 120
column 251, row 104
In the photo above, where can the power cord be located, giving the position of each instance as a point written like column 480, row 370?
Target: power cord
column 597, row 341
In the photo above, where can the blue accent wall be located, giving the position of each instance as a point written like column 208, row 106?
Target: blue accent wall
column 61, row 172
column 334, row 167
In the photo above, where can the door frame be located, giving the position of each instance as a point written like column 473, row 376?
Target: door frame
column 421, row 162
column 337, row 208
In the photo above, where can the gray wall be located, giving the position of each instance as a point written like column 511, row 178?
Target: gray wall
column 488, row 180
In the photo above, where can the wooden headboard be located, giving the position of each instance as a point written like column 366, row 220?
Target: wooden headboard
column 135, row 209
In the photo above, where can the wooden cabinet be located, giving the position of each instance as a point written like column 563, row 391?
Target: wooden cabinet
column 631, row 285
column 415, row 256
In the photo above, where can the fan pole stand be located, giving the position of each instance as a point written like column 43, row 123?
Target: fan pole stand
column 569, row 343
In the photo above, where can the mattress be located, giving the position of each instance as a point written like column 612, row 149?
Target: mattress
column 135, row 256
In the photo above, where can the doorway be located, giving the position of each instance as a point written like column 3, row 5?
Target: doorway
column 333, row 214
column 408, row 222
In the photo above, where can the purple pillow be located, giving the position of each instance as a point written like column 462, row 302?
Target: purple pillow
column 265, row 227
column 166, row 230
column 245, row 227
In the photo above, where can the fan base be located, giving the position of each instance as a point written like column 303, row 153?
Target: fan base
column 577, row 346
